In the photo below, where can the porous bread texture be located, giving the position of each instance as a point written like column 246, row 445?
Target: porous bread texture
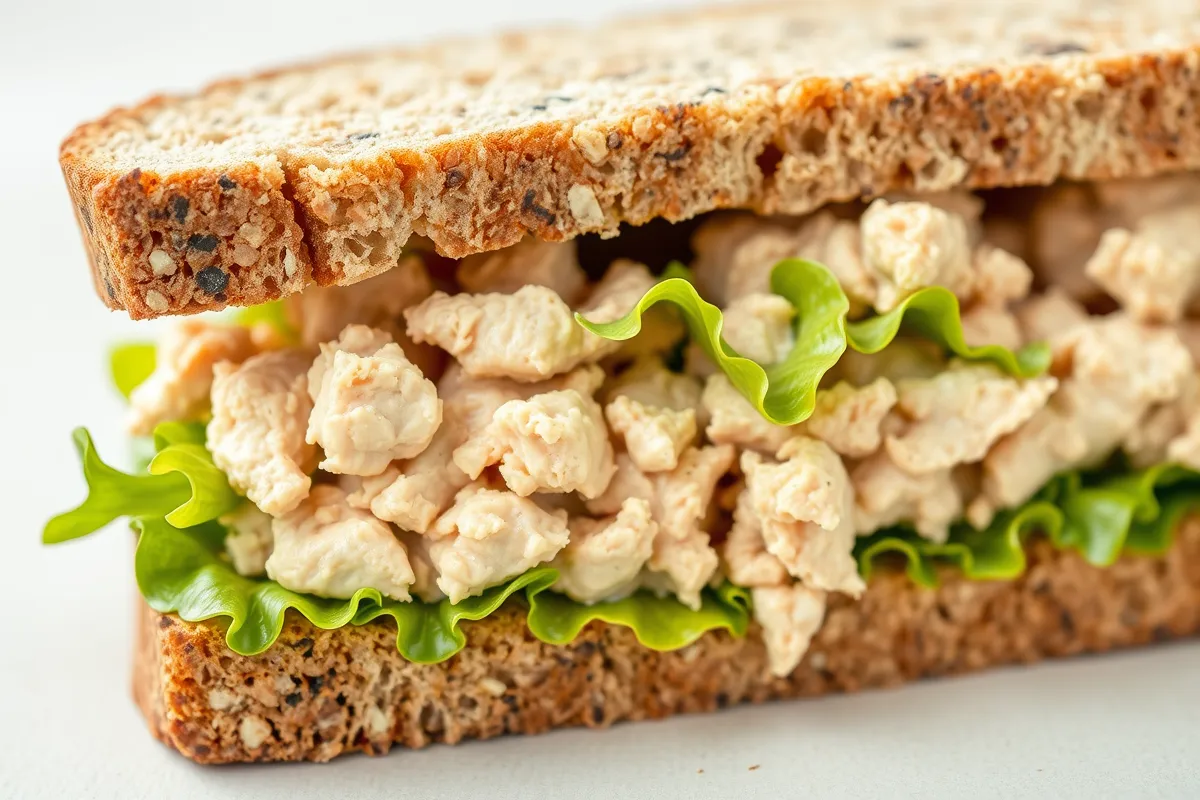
column 318, row 694
column 254, row 187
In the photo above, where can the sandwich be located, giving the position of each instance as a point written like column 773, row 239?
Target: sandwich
column 583, row 376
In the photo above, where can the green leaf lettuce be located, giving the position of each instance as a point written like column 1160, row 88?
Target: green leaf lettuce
column 183, row 486
column 1099, row 517
column 785, row 392
column 182, row 571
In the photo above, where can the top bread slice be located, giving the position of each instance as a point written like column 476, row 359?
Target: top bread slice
column 254, row 188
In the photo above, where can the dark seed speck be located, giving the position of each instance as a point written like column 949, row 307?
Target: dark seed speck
column 305, row 644
column 179, row 208
column 454, row 177
column 314, row 684
column 906, row 43
column 212, row 280
column 292, row 699
column 1055, row 48
column 220, row 297
column 358, row 137
column 598, row 714
column 613, row 140
column 677, row 153
column 712, row 90
column 205, row 243
column 108, row 287
column 226, row 183
column 165, row 622
column 529, row 205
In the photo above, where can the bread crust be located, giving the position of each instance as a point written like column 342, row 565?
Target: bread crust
column 318, row 694
column 1113, row 101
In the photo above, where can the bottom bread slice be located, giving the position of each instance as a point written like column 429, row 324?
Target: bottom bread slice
column 317, row 694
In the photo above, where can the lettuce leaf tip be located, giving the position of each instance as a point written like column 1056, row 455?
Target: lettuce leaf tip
column 785, row 392
column 130, row 364
column 183, row 486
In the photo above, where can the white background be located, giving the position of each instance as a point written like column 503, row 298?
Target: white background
column 1121, row 726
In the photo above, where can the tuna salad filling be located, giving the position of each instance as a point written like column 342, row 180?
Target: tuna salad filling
column 723, row 439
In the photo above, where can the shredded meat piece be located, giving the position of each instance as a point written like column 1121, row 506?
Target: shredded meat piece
column 183, row 374
column 790, row 616
column 371, row 405
column 744, row 553
column 956, row 416
column 652, row 384
column 735, row 255
column 759, row 327
column 1049, row 314
column 487, row 537
column 734, row 421
column 654, row 437
column 325, row 547
column 849, row 418
column 903, row 358
column 412, row 493
column 999, row 276
column 805, row 504
column 1112, row 371
column 249, row 540
column 655, row 411
column 913, row 245
column 604, row 557
column 320, row 313
column 987, row 324
column 530, row 261
column 425, row 575
column 529, row 335
column 886, row 495
column 552, row 442
column 1151, row 281
column 683, row 561
column 260, row 410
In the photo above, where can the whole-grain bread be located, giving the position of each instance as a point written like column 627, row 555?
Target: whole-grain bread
column 317, row 694
column 252, row 188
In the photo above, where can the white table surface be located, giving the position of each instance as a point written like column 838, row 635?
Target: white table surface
column 1120, row 726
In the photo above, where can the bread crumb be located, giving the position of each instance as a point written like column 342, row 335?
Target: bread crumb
column 289, row 262
column 161, row 262
column 253, row 234
column 377, row 721
column 584, row 206
column 244, row 255
column 156, row 301
column 253, row 731
column 221, row 700
column 492, row 686
column 591, row 144
column 754, row 767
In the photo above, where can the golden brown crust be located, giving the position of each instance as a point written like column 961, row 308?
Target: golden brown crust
column 888, row 113
column 317, row 694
